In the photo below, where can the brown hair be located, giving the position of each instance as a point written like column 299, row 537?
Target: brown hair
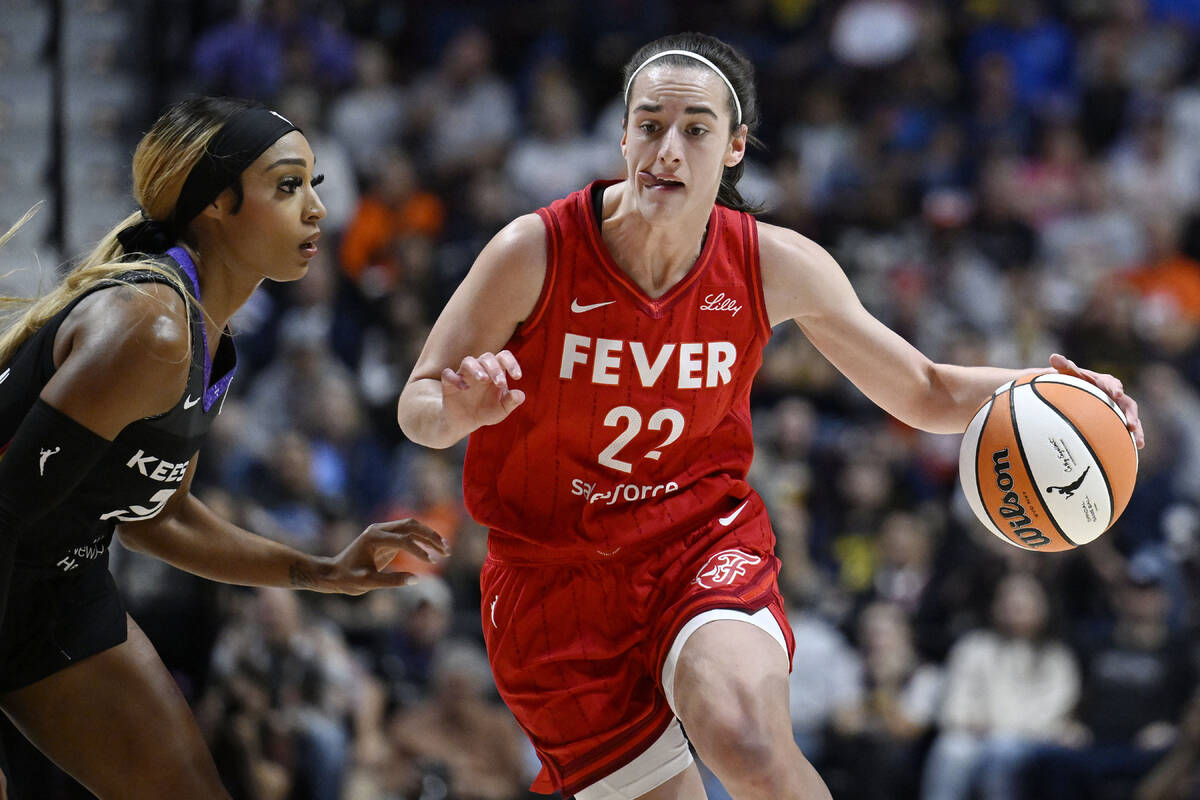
column 740, row 74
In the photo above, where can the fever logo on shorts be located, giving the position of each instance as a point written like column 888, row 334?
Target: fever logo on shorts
column 725, row 567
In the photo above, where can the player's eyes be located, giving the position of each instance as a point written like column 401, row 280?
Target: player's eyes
column 291, row 184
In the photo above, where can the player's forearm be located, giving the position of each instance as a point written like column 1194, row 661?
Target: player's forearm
column 938, row 398
column 198, row 541
column 422, row 415
column 954, row 393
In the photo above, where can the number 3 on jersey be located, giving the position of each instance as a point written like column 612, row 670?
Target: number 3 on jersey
column 136, row 513
column 632, row 420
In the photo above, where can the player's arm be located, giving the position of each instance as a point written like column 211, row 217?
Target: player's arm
column 189, row 535
column 460, row 381
column 802, row 282
column 121, row 354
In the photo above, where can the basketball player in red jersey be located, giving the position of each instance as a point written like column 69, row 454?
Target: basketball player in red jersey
column 631, row 582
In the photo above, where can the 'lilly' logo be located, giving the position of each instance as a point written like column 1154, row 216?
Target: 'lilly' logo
column 719, row 302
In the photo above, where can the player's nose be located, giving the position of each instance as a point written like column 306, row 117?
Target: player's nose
column 316, row 209
column 670, row 149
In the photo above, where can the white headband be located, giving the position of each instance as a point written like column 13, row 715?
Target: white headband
column 689, row 54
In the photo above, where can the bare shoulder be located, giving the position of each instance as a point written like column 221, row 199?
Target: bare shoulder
column 509, row 272
column 123, row 353
column 525, row 232
column 498, row 294
column 519, row 247
column 799, row 276
column 140, row 321
column 784, row 248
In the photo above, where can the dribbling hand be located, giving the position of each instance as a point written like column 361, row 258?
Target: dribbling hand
column 361, row 566
column 477, row 394
column 1111, row 386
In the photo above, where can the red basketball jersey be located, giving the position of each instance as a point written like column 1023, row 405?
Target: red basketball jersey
column 636, row 423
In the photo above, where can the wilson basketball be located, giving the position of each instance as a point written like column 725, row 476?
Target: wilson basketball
column 1047, row 462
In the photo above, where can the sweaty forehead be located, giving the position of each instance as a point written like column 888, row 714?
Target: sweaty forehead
column 660, row 83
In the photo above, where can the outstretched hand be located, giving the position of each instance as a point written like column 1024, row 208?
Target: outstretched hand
column 361, row 566
column 477, row 394
column 1111, row 386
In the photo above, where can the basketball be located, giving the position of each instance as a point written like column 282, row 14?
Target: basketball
column 1047, row 462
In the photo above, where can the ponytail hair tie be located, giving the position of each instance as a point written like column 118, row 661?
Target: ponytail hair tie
column 150, row 236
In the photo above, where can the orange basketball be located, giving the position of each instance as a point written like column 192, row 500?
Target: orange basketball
column 1048, row 463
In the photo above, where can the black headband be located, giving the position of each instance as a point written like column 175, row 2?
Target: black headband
column 243, row 138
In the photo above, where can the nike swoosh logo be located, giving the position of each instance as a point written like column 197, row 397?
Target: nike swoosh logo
column 190, row 401
column 579, row 309
column 733, row 514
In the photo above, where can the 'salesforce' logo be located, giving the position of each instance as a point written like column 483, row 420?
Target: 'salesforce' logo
column 1010, row 505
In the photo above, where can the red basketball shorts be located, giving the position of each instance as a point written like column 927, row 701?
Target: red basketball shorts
column 577, row 649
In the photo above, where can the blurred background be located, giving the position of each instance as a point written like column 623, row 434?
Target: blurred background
column 1001, row 179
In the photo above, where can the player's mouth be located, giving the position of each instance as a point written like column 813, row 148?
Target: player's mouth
column 659, row 183
column 308, row 248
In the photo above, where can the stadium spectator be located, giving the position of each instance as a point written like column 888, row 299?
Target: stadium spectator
column 880, row 742
column 1026, row 177
column 270, row 45
column 1007, row 689
column 1137, row 678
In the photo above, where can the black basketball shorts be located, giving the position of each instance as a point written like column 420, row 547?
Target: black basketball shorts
column 55, row 620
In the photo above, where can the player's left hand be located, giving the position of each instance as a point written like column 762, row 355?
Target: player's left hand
column 360, row 567
column 1111, row 386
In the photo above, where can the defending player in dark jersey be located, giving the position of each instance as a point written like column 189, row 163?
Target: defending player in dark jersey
column 108, row 385
column 631, row 582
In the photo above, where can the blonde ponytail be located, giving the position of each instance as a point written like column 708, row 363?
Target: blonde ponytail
column 163, row 159
column 21, row 317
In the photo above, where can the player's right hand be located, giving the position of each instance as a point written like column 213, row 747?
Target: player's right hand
column 477, row 393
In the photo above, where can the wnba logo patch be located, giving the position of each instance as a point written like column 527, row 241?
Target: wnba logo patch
column 726, row 567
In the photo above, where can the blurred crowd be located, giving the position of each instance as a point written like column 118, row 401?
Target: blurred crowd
column 1001, row 179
